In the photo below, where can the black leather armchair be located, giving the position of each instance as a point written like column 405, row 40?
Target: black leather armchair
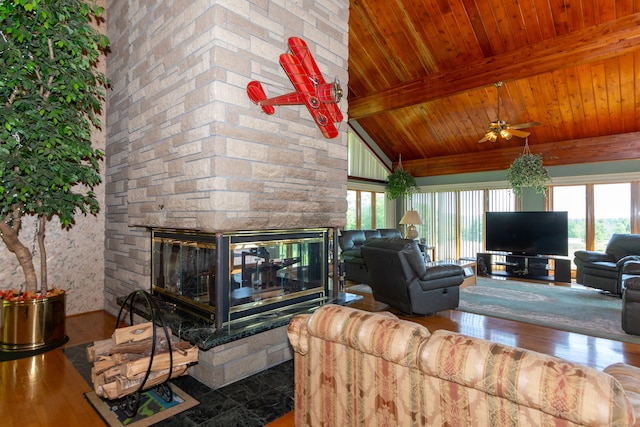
column 399, row 276
column 606, row 270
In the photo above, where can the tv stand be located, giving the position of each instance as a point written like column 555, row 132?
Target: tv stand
column 535, row 267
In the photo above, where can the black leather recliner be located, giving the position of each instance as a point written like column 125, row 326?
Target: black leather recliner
column 606, row 270
column 399, row 276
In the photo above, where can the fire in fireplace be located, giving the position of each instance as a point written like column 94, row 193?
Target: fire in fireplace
column 226, row 277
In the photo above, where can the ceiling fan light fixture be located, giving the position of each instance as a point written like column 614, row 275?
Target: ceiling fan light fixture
column 501, row 127
column 505, row 134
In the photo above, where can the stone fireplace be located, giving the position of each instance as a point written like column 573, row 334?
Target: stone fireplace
column 186, row 150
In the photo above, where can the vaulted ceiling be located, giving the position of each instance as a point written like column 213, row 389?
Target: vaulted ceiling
column 422, row 77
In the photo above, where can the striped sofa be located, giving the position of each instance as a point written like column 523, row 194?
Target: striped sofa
column 355, row 368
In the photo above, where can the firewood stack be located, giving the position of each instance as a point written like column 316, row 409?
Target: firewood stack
column 120, row 363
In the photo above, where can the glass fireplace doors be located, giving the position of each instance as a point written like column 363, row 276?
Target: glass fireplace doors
column 231, row 276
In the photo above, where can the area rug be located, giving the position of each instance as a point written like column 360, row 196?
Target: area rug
column 5, row 356
column 152, row 409
column 583, row 311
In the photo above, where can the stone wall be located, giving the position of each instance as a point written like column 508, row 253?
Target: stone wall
column 230, row 362
column 186, row 149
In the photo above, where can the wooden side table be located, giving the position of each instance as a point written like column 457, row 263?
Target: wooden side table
column 470, row 273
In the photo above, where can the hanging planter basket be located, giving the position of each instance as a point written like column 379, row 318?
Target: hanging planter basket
column 527, row 171
column 400, row 183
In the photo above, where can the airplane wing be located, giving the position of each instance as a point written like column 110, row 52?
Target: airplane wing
column 307, row 89
column 301, row 51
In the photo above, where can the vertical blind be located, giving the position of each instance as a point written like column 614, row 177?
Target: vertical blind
column 453, row 221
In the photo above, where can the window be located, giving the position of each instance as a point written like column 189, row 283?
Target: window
column 366, row 201
column 362, row 162
column 611, row 212
column 453, row 220
column 573, row 199
column 596, row 211
column 365, row 210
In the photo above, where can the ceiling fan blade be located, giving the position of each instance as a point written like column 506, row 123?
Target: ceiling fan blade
column 525, row 125
column 519, row 133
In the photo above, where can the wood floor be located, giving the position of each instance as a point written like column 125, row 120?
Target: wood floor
column 46, row 390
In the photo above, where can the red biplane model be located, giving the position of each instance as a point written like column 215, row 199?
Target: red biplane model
column 321, row 98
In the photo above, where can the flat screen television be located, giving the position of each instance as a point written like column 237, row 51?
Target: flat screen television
column 527, row 233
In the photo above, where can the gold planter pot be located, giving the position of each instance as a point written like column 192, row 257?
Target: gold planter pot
column 29, row 325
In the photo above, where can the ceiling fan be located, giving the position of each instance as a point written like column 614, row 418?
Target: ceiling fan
column 503, row 128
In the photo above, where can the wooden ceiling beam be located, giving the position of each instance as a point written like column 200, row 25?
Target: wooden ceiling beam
column 624, row 146
column 595, row 43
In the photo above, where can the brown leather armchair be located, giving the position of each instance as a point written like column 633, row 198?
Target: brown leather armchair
column 399, row 276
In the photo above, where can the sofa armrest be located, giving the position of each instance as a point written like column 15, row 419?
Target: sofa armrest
column 631, row 267
column 380, row 335
column 629, row 378
column 439, row 271
column 629, row 264
column 298, row 333
column 593, row 256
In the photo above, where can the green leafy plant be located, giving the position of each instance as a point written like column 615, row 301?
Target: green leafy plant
column 527, row 171
column 51, row 94
column 400, row 183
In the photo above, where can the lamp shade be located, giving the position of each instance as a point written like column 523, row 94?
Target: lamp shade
column 411, row 217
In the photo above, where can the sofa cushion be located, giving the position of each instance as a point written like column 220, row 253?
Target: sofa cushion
column 389, row 233
column 383, row 336
column 517, row 379
column 351, row 239
column 351, row 253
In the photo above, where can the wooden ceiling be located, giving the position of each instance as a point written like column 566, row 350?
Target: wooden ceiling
column 422, row 77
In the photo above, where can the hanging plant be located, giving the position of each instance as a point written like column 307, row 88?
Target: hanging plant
column 527, row 171
column 400, row 183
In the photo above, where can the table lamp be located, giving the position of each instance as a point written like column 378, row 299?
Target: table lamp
column 410, row 219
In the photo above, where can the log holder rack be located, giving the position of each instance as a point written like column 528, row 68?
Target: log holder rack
column 130, row 403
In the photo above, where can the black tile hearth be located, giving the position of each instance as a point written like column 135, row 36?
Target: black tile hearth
column 202, row 332
column 253, row 401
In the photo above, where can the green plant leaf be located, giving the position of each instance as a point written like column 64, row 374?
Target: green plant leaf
column 49, row 102
column 400, row 183
column 527, row 171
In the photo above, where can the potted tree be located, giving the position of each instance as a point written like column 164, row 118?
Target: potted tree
column 51, row 95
